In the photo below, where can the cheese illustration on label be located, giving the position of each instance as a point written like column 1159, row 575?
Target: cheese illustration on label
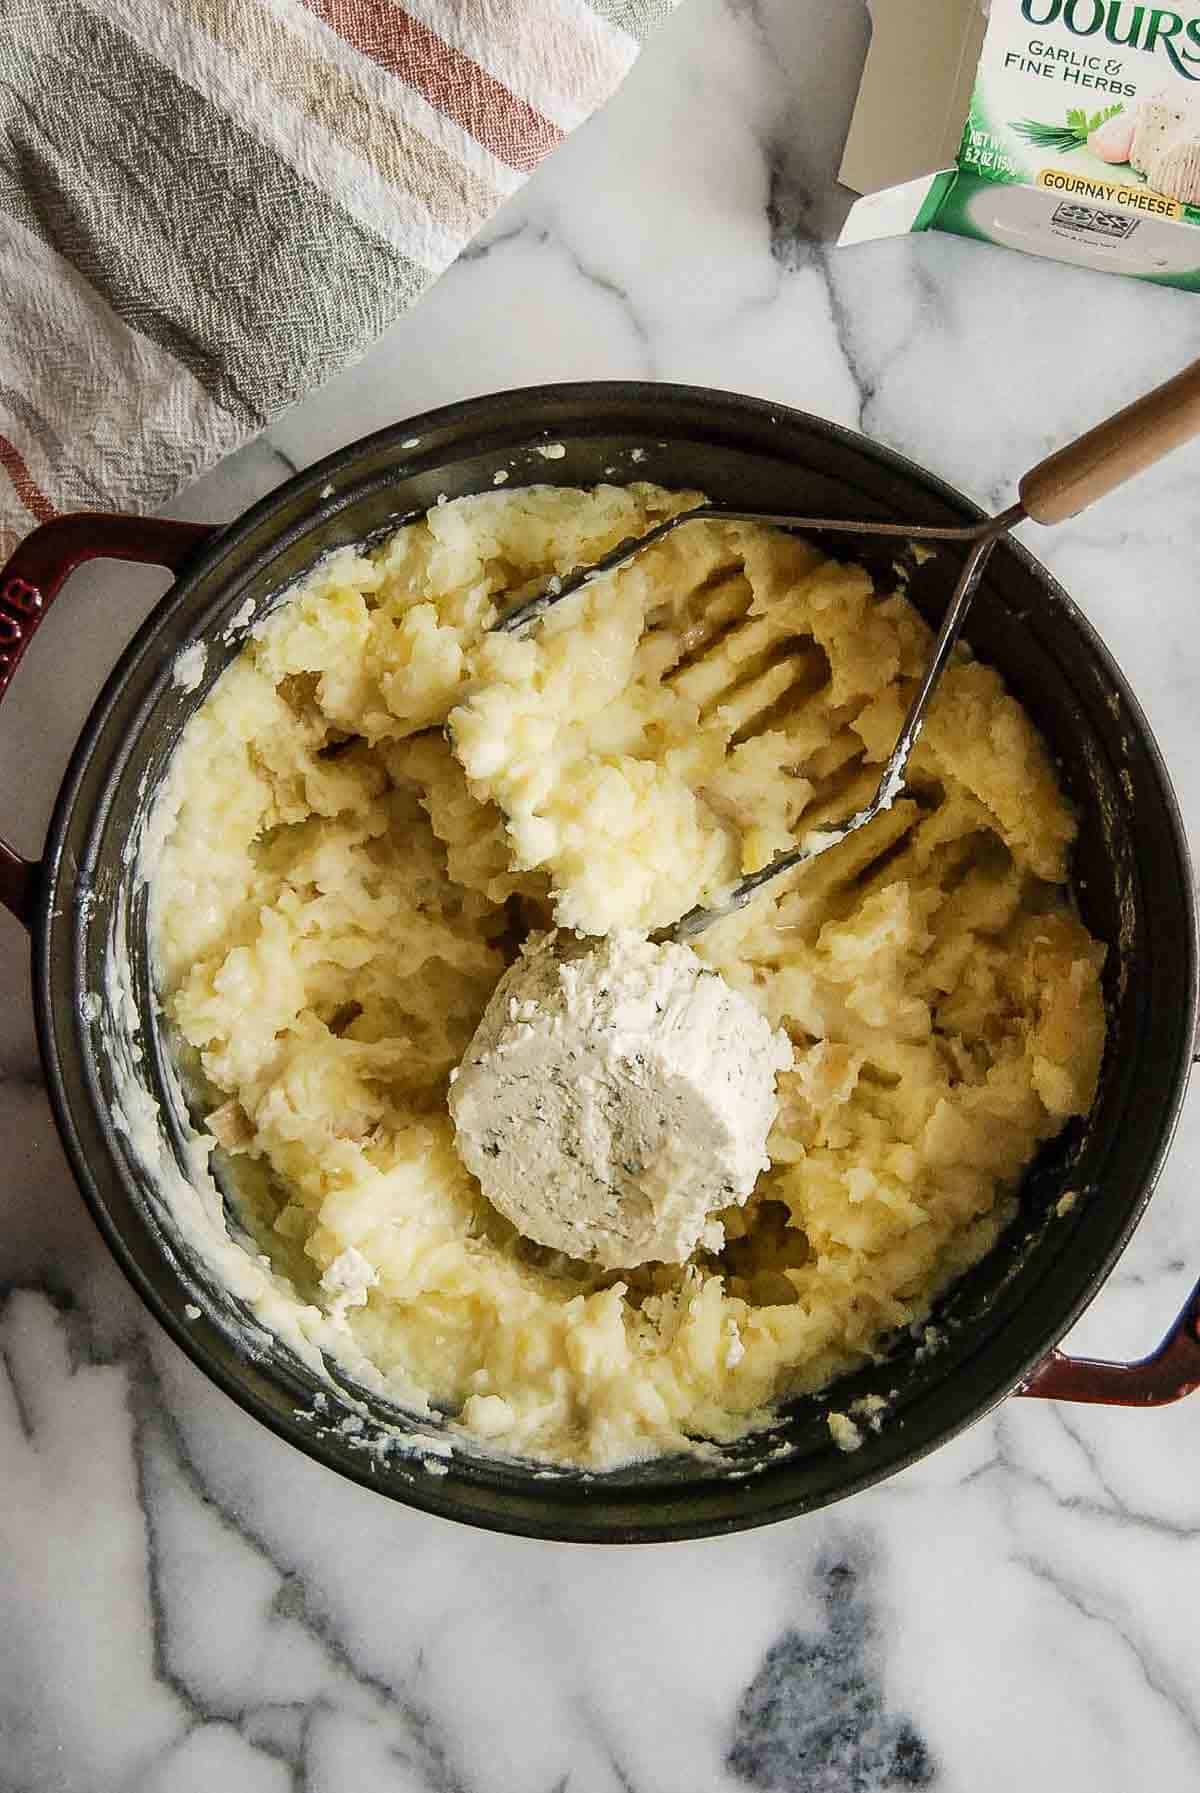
column 1166, row 147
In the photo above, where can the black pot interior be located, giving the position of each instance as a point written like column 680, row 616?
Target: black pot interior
column 1133, row 889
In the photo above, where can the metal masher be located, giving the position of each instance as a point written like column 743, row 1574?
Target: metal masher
column 1060, row 487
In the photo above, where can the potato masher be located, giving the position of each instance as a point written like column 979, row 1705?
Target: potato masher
column 1058, row 488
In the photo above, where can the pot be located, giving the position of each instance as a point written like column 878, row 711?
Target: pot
column 997, row 1329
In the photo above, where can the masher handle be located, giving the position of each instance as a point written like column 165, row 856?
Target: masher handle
column 1068, row 482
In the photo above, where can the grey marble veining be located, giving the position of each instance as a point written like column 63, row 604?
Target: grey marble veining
column 185, row 1603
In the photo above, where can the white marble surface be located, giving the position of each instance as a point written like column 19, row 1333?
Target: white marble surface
column 186, row 1603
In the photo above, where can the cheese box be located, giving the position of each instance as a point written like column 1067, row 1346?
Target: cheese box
column 1066, row 128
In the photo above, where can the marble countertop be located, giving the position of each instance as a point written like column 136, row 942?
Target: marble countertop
column 187, row 1603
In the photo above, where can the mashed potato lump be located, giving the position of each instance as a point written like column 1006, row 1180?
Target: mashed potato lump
column 378, row 801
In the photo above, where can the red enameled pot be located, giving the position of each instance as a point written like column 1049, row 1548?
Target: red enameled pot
column 1000, row 1325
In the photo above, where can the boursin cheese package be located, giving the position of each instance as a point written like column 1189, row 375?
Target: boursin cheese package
column 1067, row 128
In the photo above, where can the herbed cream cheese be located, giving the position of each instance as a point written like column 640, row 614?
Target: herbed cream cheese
column 615, row 1096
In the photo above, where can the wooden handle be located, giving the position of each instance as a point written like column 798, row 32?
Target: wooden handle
column 1069, row 481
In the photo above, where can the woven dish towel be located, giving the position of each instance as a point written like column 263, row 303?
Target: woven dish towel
column 209, row 206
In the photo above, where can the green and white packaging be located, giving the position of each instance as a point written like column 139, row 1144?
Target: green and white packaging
column 1066, row 128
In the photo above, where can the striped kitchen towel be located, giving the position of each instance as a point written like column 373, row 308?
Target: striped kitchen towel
column 209, row 206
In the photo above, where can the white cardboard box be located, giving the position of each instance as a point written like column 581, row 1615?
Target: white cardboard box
column 974, row 119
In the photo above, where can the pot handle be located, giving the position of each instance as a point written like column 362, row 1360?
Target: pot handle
column 1166, row 1375
column 29, row 585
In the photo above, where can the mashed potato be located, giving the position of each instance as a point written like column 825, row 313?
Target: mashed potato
column 378, row 801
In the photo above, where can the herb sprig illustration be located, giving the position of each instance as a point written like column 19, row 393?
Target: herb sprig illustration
column 1062, row 138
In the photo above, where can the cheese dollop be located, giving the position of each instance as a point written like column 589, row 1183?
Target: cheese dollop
column 615, row 1096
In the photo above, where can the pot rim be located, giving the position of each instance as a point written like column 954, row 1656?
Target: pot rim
column 429, row 1493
